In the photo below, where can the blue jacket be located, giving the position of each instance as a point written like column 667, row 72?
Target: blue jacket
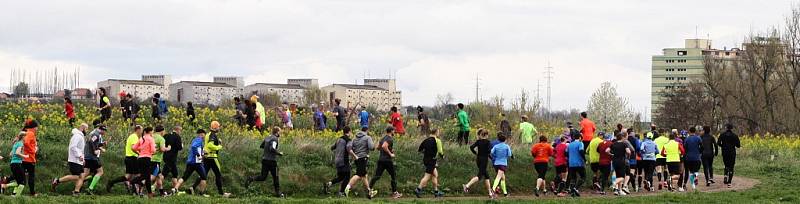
column 364, row 118
column 649, row 150
column 162, row 107
column 576, row 155
column 195, row 152
column 500, row 153
column 692, row 145
column 637, row 147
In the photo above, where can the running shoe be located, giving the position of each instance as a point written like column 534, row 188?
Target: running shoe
column 76, row 194
column 712, row 181
column 680, row 189
column 625, row 190
column 326, row 187
column 418, row 192
column 465, row 188
column 397, row 195
column 597, row 186
column 438, row 194
column 346, row 192
column 372, row 194
column 53, row 185
column 536, row 192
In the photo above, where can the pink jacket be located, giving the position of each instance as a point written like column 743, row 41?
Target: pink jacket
column 145, row 147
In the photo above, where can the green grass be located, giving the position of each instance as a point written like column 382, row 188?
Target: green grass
column 307, row 165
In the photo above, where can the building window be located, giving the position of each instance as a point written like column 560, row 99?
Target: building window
column 681, row 70
column 670, row 70
column 727, row 53
column 681, row 78
column 670, row 78
column 681, row 53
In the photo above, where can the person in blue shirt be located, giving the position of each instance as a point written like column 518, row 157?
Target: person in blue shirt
column 194, row 163
column 632, row 161
column 576, row 154
column 500, row 154
column 648, row 152
column 364, row 116
column 319, row 119
column 693, row 146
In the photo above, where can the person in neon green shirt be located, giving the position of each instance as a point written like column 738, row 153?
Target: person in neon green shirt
column 262, row 114
column 526, row 131
column 463, row 124
column 131, row 156
column 213, row 144
column 661, row 161
column 594, row 159
column 673, row 151
column 158, row 157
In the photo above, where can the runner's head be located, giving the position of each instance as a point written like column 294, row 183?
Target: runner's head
column 653, row 127
column 276, row 131
column 706, row 129
column 337, row 101
column 390, row 131
column 434, row 132
column 215, row 125
column 148, row 130
column 693, row 130
column 460, row 106
column 83, row 127
column 584, row 115
column 31, row 124
column 394, row 109
column 159, row 129
column 346, row 130
column 729, row 126
column 601, row 134
column 420, row 109
column 201, row 133
column 501, row 137
column 673, row 135
column 620, row 136
column 364, row 129
column 19, row 136
column 524, row 118
column 542, row 139
column 177, row 129
column 67, row 100
column 648, row 135
column 137, row 130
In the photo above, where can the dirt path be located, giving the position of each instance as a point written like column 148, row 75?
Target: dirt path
column 740, row 183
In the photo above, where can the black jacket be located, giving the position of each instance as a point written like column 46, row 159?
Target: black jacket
column 728, row 142
column 709, row 147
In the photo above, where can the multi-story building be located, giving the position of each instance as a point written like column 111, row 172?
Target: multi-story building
column 202, row 93
column 677, row 67
column 141, row 89
column 293, row 92
column 380, row 94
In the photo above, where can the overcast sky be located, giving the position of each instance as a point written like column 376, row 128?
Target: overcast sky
column 431, row 47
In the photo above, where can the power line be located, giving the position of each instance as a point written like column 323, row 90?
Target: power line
column 477, row 87
column 548, row 74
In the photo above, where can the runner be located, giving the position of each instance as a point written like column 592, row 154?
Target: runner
column 560, row 183
column 672, row 151
column 500, row 153
column 594, row 160
column 526, row 131
column 728, row 142
column 145, row 148
column 319, row 119
column 30, row 148
column 630, row 178
column 17, row 172
column 340, row 113
column 190, row 112
column 269, row 162
column 103, row 106
column 604, row 164
column 131, row 170
column 386, row 162
column 587, row 129
column 93, row 168
column 364, row 117
column 505, row 128
column 463, row 124
column 341, row 162
column 693, row 146
column 423, row 122
column 397, row 122
column 541, row 153
column 259, row 114
column 481, row 149
column 359, row 149
column 577, row 172
column 173, row 141
column 662, row 172
column 69, row 110
column 620, row 154
column 431, row 148
column 648, row 153
column 155, row 110
column 194, row 163
column 74, row 160
column 158, row 157
column 710, row 150
column 212, row 146
column 133, row 109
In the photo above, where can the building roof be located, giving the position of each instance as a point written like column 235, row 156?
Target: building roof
column 365, row 87
column 138, row 82
column 203, row 83
column 280, row 86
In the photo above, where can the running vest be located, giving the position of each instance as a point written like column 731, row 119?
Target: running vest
column 660, row 142
column 673, row 151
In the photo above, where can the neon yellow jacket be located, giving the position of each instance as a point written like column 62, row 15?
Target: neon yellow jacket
column 210, row 147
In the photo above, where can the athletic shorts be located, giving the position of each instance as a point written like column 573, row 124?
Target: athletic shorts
column 361, row 167
column 633, row 166
column 595, row 167
column 131, row 166
column 156, row 168
column 429, row 166
column 541, row 169
column 674, row 167
column 661, row 162
column 503, row 168
column 620, row 169
column 692, row 166
column 561, row 169
column 75, row 169
column 92, row 165
column 482, row 173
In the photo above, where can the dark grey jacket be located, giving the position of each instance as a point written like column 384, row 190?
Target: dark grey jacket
column 362, row 145
column 270, row 146
column 340, row 154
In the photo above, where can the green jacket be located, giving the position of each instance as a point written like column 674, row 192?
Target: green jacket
column 463, row 120
column 212, row 147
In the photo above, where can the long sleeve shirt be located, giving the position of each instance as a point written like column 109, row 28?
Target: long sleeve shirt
column 145, row 147
column 76, row 145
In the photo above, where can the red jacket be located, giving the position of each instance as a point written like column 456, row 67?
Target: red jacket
column 29, row 146
column 70, row 109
